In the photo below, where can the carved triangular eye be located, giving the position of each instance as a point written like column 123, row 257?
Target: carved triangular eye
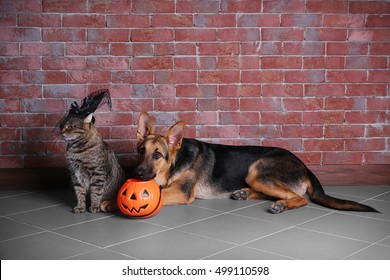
column 133, row 197
column 124, row 192
column 145, row 194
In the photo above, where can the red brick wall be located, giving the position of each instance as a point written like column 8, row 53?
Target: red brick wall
column 310, row 76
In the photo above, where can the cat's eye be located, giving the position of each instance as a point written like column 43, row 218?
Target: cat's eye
column 157, row 155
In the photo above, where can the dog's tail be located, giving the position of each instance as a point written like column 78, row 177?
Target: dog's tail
column 318, row 196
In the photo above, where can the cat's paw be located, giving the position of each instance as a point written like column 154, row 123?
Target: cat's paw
column 78, row 209
column 94, row 209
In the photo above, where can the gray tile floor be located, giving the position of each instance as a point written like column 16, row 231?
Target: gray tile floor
column 40, row 225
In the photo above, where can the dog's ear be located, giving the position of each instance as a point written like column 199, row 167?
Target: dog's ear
column 175, row 135
column 145, row 126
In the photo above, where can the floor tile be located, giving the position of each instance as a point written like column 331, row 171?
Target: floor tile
column 101, row 254
column 383, row 197
column 245, row 253
column 171, row 245
column 171, row 216
column 350, row 226
column 374, row 252
column 48, row 218
column 307, row 245
column 109, row 231
column 40, row 246
column 385, row 241
column 225, row 205
column 13, row 229
column 232, row 228
column 290, row 217
column 8, row 193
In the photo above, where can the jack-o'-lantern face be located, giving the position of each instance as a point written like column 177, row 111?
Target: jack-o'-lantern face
column 139, row 199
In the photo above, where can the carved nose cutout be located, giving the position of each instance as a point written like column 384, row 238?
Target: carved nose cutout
column 133, row 197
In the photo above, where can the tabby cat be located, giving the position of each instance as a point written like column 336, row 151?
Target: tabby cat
column 93, row 166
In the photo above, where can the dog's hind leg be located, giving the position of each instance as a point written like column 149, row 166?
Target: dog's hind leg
column 290, row 196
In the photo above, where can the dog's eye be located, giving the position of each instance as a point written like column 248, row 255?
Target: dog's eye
column 157, row 155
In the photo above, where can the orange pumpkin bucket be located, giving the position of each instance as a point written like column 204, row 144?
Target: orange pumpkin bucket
column 140, row 199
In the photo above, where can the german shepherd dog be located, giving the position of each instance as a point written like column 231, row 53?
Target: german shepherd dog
column 187, row 169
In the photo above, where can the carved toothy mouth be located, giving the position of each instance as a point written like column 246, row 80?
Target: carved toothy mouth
column 134, row 209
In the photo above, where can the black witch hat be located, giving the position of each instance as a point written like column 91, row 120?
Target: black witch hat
column 89, row 105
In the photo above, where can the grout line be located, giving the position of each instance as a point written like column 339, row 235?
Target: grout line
column 376, row 243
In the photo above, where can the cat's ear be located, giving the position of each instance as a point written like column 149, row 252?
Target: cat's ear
column 175, row 135
column 89, row 118
column 145, row 126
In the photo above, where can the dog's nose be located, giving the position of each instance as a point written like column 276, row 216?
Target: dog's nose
column 140, row 172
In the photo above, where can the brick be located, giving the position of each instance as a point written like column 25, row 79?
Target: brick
column 108, row 63
column 323, row 145
column 261, row 131
column 261, row 48
column 130, row 105
column 8, row 20
column 324, row 90
column 133, row 77
column 301, row 131
column 351, row 76
column 324, row 117
column 284, row 6
column 195, row 35
column 366, row 62
column 323, row 62
column 11, row 49
column 366, row 90
column 345, row 20
column 39, row 20
column 368, row 35
column 108, row 35
column 153, row 6
column 128, row 21
column 239, row 90
column 207, row 63
column 20, row 91
column 166, row 20
column 272, row 90
column 264, row 76
column 326, row 6
column 44, row 77
column 301, row 20
column 239, row 34
column 63, row 35
column 307, row 104
column 342, row 158
column 10, row 77
column 377, row 157
column 289, row 144
column 369, row 7
column 305, row 76
column 151, row 91
column 58, row 6
column 378, row 21
column 20, row 34
column 196, row 91
column 20, row 63
column 378, row 104
column 380, row 48
column 218, row 104
column 175, row 77
column 10, row 134
column 226, row 131
column 185, row 63
column 281, row 117
column 281, row 62
column 87, row 49
column 9, row 106
column 64, row 91
column 260, row 104
column 89, row 76
column 258, row 20
column 377, row 130
column 152, row 35
column 348, row 48
column 304, row 48
column 282, row 34
column 326, row 34
column 365, row 117
column 217, row 20
column 43, row 105
column 240, row 6
column 197, row 6
column 185, row 48
column 344, row 131
column 173, row 104
column 345, row 104
column 365, row 144
column 108, row 7
column 203, row 118
column 312, row 158
column 26, row 148
column 218, row 48
column 222, row 76
column 11, row 161
column 43, row 49
column 83, row 20
column 379, row 76
column 152, row 63
column 239, row 118
column 22, row 120
column 63, row 63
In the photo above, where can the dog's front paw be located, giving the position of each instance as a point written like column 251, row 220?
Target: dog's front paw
column 79, row 209
column 240, row 195
column 277, row 207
